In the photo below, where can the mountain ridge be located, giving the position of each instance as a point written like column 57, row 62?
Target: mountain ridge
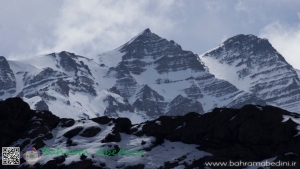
column 255, row 66
column 143, row 79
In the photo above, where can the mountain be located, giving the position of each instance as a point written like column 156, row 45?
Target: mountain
column 253, row 65
column 298, row 72
column 250, row 134
column 150, row 76
column 7, row 79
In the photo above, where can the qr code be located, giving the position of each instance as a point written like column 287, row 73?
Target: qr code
column 10, row 155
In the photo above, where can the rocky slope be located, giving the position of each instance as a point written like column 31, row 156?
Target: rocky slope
column 143, row 79
column 7, row 79
column 253, row 65
column 298, row 72
column 252, row 133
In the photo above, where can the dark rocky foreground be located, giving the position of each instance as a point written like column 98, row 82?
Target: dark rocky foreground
column 252, row 133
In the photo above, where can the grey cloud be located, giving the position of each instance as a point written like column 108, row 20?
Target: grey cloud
column 36, row 27
column 97, row 26
column 26, row 25
column 285, row 39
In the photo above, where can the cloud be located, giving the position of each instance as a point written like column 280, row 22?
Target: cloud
column 241, row 7
column 285, row 39
column 26, row 25
column 225, row 37
column 35, row 27
column 91, row 27
column 215, row 5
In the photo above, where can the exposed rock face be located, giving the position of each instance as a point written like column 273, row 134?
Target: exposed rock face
column 41, row 105
column 54, row 83
column 150, row 76
column 150, row 102
column 153, row 65
column 73, row 132
column 90, row 132
column 126, row 85
column 181, row 104
column 41, row 82
column 243, row 99
column 193, row 92
column 67, row 61
column 101, row 120
column 7, row 78
column 45, row 75
column 252, row 133
column 166, row 55
column 67, row 122
column 116, row 105
column 260, row 68
column 112, row 137
column 63, row 87
column 17, row 121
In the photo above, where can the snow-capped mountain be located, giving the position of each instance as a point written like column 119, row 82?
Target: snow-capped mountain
column 7, row 79
column 147, row 77
column 253, row 65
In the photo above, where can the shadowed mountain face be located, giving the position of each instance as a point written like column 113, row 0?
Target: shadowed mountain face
column 148, row 48
column 148, row 77
column 251, row 133
column 7, row 79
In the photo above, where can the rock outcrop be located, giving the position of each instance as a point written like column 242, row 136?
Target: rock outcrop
column 252, row 133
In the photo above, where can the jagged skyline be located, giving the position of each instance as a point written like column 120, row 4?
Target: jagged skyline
column 89, row 28
column 152, row 76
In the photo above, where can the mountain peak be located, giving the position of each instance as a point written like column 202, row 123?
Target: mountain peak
column 248, row 47
column 145, row 34
column 66, row 53
column 2, row 58
column 250, row 43
column 242, row 38
column 146, row 31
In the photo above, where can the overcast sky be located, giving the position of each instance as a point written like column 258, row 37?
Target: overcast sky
column 90, row 27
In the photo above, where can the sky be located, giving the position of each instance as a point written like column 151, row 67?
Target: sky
column 91, row 27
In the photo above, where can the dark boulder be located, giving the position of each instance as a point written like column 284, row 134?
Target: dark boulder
column 41, row 105
column 112, row 137
column 73, row 132
column 248, row 133
column 50, row 164
column 90, row 131
column 83, row 164
column 138, row 166
column 18, row 121
column 59, row 159
column 122, row 125
column 101, row 120
column 67, row 122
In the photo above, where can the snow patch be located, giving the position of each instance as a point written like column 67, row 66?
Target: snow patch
column 260, row 108
column 227, row 72
column 158, row 122
column 111, row 58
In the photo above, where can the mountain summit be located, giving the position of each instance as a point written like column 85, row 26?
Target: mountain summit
column 253, row 65
column 150, row 76
column 7, row 79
